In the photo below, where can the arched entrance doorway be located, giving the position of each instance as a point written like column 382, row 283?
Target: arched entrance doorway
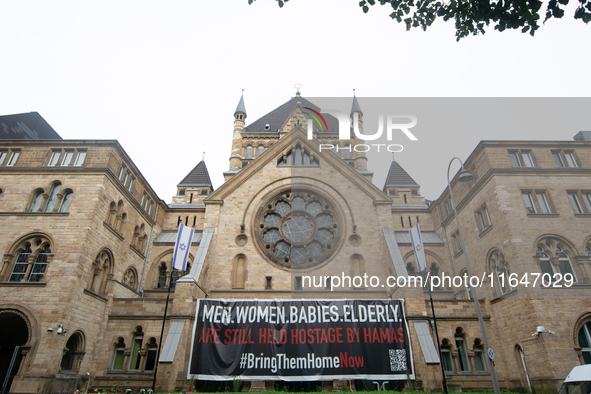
column 14, row 333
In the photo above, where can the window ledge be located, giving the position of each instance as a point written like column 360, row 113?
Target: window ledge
column 459, row 253
column 485, row 231
column 563, row 286
column 543, row 215
column 121, row 372
column 95, row 295
column 531, row 168
column 506, row 295
column 157, row 290
column 111, row 229
column 126, row 286
column 137, row 251
column 31, row 284
column 583, row 215
column 467, row 373
column 34, row 213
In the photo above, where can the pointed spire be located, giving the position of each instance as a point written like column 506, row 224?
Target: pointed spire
column 398, row 177
column 241, row 107
column 199, row 176
column 355, row 107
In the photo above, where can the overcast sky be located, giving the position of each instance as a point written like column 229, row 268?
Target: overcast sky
column 164, row 78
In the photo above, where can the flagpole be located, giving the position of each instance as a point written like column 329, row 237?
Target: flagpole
column 162, row 333
column 182, row 246
column 437, row 337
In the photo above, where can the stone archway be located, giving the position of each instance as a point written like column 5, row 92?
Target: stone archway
column 15, row 333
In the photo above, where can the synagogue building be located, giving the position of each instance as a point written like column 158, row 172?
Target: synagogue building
column 87, row 249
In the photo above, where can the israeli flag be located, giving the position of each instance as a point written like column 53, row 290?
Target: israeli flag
column 181, row 247
column 417, row 245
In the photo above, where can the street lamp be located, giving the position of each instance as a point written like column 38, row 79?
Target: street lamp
column 465, row 176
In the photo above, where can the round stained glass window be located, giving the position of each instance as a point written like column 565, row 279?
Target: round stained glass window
column 297, row 229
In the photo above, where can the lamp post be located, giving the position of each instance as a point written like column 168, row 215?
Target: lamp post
column 465, row 176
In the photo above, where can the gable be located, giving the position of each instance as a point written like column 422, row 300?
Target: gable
column 279, row 152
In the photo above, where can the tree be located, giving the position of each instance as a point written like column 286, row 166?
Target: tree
column 472, row 17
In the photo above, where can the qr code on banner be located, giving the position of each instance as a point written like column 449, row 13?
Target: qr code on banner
column 397, row 360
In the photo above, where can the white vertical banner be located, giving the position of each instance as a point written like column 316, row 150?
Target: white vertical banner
column 181, row 247
column 417, row 245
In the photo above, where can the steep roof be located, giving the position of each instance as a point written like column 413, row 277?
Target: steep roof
column 27, row 126
column 397, row 177
column 356, row 107
column 277, row 118
column 199, row 176
column 241, row 107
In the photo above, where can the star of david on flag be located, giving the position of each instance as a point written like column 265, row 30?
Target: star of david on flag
column 181, row 247
column 417, row 245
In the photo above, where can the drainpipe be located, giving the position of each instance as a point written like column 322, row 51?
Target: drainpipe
column 148, row 251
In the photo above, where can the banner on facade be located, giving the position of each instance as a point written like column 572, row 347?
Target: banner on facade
column 298, row 340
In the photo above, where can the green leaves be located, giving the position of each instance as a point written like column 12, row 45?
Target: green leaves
column 472, row 17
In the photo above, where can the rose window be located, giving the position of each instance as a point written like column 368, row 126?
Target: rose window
column 298, row 229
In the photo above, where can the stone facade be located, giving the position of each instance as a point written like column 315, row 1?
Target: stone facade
column 87, row 250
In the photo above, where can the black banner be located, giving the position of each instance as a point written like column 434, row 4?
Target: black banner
column 297, row 340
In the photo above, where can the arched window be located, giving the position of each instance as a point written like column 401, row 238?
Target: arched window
column 135, row 356
column 166, row 275
column 21, row 265
column 298, row 157
column 119, row 358
column 66, row 202
column 347, row 151
column 434, row 272
column 174, row 276
column 162, row 277
column 248, row 154
column 564, row 263
column 73, row 353
column 151, row 351
column 130, row 278
column 40, row 264
column 111, row 214
column 498, row 265
column 139, row 238
column 120, row 218
column 446, row 355
column 102, row 273
column 239, row 272
column 260, row 150
column 36, row 202
column 32, row 258
column 55, row 189
column 462, row 351
column 545, row 264
column 479, row 363
column 356, row 269
column 584, row 338
column 465, row 291
column 553, row 257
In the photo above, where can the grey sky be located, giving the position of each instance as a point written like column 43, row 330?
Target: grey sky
column 164, row 78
